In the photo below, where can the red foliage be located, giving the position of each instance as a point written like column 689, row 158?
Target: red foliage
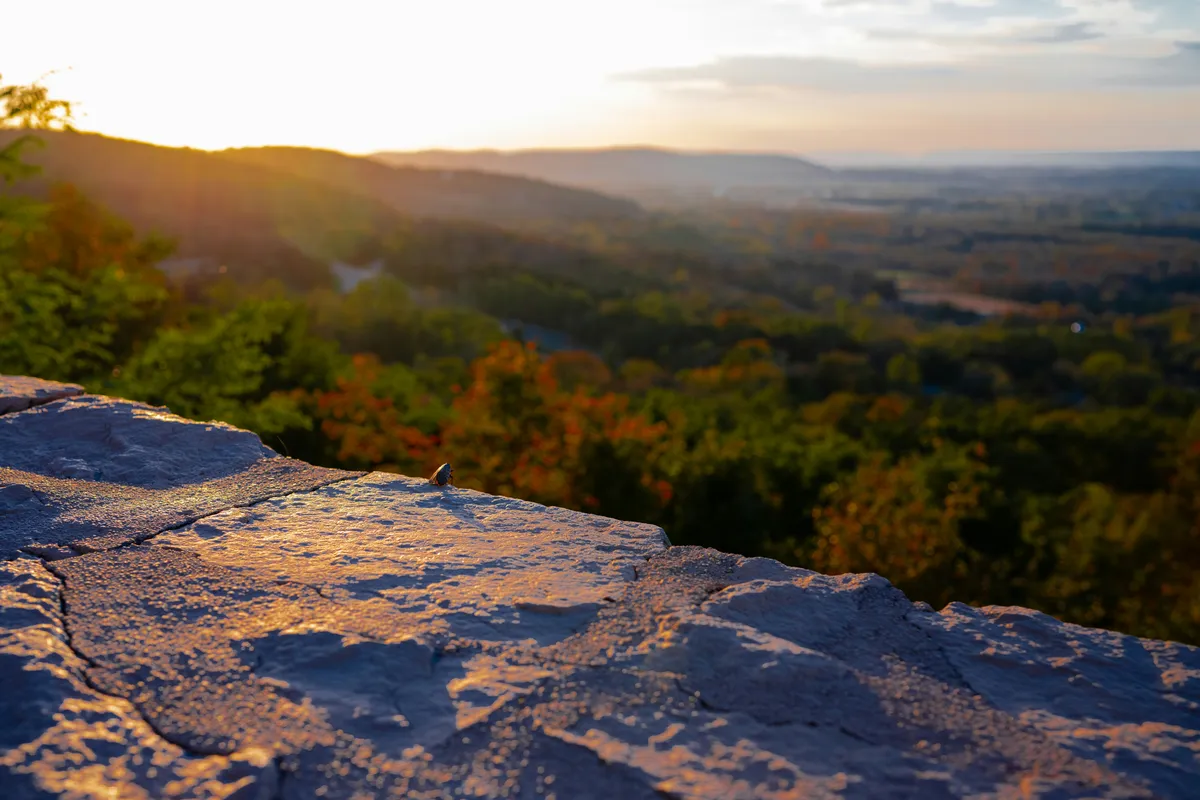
column 516, row 430
column 368, row 430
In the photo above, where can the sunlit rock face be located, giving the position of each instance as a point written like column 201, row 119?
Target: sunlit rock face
column 17, row 393
column 90, row 473
column 184, row 613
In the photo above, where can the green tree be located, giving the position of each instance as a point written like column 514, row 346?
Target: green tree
column 78, row 289
column 904, row 520
column 903, row 371
column 79, row 292
column 27, row 107
column 238, row 367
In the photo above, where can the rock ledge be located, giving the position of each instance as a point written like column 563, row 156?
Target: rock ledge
column 186, row 614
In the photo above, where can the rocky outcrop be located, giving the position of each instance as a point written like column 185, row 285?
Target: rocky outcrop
column 184, row 613
column 18, row 394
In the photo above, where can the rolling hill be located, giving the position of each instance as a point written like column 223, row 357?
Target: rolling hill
column 442, row 192
column 628, row 170
column 278, row 222
column 259, row 222
column 963, row 159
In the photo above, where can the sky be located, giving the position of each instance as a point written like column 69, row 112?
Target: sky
column 797, row 76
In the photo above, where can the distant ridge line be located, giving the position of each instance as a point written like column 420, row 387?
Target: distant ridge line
column 617, row 168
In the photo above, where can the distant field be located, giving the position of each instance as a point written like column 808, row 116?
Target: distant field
column 975, row 303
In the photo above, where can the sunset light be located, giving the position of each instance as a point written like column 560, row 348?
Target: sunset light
column 599, row 399
column 800, row 75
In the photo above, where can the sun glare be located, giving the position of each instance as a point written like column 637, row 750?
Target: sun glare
column 529, row 73
column 398, row 75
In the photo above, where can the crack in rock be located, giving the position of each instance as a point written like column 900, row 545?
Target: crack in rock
column 90, row 473
column 89, row 665
column 61, row 735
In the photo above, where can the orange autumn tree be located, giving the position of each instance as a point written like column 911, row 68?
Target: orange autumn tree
column 748, row 368
column 79, row 237
column 516, row 430
column 902, row 521
column 363, row 423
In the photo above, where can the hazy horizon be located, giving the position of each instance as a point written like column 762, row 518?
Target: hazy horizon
column 812, row 78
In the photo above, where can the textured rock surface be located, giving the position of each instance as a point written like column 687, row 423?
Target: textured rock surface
column 91, row 473
column 191, row 630
column 18, row 393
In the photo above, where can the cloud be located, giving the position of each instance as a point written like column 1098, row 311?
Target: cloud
column 959, row 10
column 1006, row 37
column 1173, row 14
column 1060, row 34
column 760, row 72
column 1020, row 73
column 1181, row 68
column 975, row 12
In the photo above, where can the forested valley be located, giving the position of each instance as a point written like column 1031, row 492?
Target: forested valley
column 994, row 400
